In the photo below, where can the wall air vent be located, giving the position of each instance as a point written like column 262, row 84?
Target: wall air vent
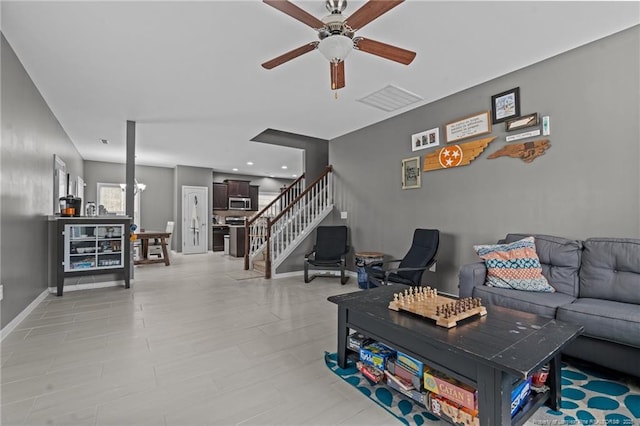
column 390, row 98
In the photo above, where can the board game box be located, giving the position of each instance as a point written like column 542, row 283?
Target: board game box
column 451, row 389
column 376, row 354
column 416, row 367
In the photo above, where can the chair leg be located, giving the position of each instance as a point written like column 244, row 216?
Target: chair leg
column 306, row 273
column 343, row 277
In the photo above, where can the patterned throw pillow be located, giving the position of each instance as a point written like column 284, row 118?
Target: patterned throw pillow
column 514, row 265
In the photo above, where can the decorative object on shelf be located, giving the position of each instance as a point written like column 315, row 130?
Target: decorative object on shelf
column 524, row 135
column 109, row 232
column 505, row 105
column 455, row 155
column 526, row 151
column 525, row 121
column 426, row 139
column 467, row 127
column 411, row 173
column 91, row 209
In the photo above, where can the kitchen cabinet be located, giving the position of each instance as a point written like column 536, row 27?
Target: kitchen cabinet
column 253, row 194
column 220, row 196
column 219, row 231
column 88, row 246
column 238, row 188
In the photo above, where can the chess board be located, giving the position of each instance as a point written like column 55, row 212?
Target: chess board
column 426, row 302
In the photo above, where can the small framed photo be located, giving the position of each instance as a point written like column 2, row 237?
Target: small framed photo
column 411, row 173
column 505, row 105
column 426, row 139
column 525, row 121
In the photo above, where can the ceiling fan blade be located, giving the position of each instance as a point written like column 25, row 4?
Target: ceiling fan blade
column 384, row 50
column 290, row 55
column 296, row 13
column 370, row 11
column 337, row 75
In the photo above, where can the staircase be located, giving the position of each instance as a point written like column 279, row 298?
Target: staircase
column 273, row 234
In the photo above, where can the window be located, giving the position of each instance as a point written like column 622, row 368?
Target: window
column 113, row 198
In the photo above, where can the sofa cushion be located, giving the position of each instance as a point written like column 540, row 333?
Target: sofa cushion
column 611, row 269
column 543, row 304
column 560, row 259
column 604, row 319
column 514, row 265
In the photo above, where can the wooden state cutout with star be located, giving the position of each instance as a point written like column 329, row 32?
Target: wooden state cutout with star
column 455, row 155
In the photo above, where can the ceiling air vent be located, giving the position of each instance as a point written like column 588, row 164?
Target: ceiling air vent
column 390, row 98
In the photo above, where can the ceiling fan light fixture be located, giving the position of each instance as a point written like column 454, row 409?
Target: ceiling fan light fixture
column 335, row 47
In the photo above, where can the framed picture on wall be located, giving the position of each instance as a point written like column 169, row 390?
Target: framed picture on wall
column 426, row 139
column 466, row 127
column 505, row 105
column 411, row 173
column 525, row 121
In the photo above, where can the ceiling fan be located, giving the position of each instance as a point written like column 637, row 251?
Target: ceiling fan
column 336, row 34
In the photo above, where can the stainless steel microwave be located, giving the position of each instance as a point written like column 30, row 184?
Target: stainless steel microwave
column 239, row 203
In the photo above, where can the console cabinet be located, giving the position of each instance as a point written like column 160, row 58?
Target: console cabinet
column 88, row 246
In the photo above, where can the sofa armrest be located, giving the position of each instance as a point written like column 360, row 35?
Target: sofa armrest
column 471, row 275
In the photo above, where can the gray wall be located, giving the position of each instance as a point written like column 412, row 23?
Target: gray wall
column 316, row 151
column 156, row 201
column 31, row 135
column 191, row 176
column 587, row 184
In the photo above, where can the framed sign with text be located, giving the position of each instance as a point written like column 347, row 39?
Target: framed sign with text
column 467, row 127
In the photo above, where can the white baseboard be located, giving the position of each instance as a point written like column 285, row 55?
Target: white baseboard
column 88, row 286
column 22, row 315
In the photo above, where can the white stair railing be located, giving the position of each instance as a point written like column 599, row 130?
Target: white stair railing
column 256, row 227
column 281, row 233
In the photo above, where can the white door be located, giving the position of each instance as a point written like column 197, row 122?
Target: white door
column 194, row 219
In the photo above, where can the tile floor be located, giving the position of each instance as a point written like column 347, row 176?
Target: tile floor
column 186, row 345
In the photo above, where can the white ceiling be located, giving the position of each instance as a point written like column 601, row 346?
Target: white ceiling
column 189, row 72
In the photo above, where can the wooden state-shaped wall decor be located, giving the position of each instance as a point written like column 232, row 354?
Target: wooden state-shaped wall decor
column 455, row 155
column 526, row 151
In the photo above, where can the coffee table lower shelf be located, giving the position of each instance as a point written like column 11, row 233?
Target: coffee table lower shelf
column 534, row 401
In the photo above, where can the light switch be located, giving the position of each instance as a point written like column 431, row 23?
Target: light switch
column 343, row 215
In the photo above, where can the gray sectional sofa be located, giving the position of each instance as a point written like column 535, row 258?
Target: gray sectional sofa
column 597, row 284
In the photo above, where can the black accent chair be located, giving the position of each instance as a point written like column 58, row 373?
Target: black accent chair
column 420, row 257
column 329, row 252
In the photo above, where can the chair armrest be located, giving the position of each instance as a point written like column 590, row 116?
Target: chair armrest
column 471, row 275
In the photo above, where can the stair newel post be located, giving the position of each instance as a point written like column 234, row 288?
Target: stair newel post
column 267, row 262
column 247, row 236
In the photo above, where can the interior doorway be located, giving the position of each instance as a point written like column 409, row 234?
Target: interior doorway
column 194, row 219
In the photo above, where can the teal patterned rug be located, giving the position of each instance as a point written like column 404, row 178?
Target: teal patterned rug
column 589, row 397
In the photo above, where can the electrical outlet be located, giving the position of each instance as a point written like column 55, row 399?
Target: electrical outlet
column 343, row 215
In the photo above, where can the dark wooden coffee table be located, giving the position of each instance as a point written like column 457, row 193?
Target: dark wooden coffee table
column 490, row 352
